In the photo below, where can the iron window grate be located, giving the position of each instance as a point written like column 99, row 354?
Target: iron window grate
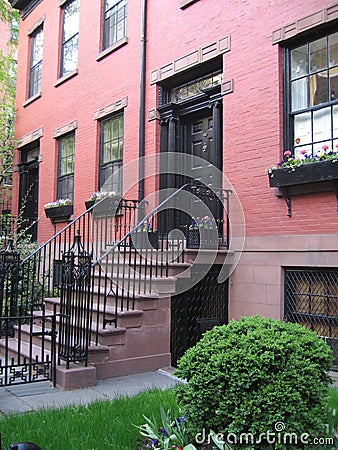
column 311, row 299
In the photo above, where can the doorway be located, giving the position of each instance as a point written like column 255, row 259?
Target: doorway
column 197, row 310
column 29, row 193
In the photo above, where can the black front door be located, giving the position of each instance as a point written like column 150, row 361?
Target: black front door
column 28, row 200
column 199, row 143
column 198, row 140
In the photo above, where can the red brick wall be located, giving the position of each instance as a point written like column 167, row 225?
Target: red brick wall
column 252, row 125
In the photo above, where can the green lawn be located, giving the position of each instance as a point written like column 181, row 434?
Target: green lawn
column 98, row 426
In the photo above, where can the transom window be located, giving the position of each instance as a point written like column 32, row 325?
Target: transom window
column 35, row 70
column 195, row 87
column 312, row 77
column 115, row 19
column 70, row 38
column 111, row 154
column 65, row 185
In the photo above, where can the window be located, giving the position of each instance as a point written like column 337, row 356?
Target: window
column 70, row 38
column 115, row 18
column 65, row 182
column 312, row 84
column 311, row 299
column 35, row 70
column 111, row 152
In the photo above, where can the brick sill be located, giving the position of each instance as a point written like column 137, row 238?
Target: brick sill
column 65, row 78
column 112, row 48
column 31, row 99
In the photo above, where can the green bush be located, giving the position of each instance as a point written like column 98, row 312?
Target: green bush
column 251, row 374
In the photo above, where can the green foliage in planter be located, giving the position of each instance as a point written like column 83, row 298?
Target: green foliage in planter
column 250, row 374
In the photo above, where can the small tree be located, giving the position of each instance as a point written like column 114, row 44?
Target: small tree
column 7, row 92
column 252, row 374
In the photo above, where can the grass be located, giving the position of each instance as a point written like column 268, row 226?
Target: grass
column 98, row 426
column 333, row 403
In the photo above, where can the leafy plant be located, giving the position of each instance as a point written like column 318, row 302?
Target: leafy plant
column 305, row 157
column 171, row 435
column 254, row 373
column 7, row 95
column 59, row 202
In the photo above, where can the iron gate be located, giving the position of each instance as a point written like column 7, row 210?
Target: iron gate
column 21, row 359
column 197, row 310
column 311, row 299
column 22, row 327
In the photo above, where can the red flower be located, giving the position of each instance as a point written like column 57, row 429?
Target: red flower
column 287, row 153
column 325, row 147
column 303, row 152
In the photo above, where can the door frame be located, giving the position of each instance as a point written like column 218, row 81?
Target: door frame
column 172, row 118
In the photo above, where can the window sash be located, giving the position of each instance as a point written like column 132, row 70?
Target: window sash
column 66, row 153
column 111, row 151
column 70, row 38
column 115, row 16
column 312, row 89
column 35, row 71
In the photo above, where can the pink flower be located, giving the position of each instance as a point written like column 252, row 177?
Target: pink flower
column 287, row 153
column 303, row 152
column 325, row 147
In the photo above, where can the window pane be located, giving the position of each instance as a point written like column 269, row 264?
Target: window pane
column 299, row 94
column 318, row 55
column 319, row 88
column 120, row 31
column 322, row 124
column 70, row 55
column 115, row 150
column 302, row 129
column 333, row 74
column 333, row 49
column 335, row 121
column 299, row 61
column 37, row 48
column 106, row 157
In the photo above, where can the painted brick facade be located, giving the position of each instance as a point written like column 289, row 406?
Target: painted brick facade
column 244, row 34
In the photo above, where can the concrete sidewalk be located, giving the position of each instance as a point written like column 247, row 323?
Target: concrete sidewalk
column 34, row 396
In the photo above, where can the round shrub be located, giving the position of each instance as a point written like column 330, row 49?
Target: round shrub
column 249, row 375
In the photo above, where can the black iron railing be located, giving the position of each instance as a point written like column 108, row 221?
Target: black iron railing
column 104, row 260
column 133, row 266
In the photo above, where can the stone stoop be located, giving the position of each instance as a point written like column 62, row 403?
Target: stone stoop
column 141, row 340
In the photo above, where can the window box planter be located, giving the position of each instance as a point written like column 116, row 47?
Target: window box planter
column 208, row 239
column 321, row 176
column 105, row 207
column 303, row 174
column 59, row 213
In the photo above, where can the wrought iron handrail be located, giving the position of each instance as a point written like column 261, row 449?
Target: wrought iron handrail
column 130, row 267
column 136, row 227
column 67, row 227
